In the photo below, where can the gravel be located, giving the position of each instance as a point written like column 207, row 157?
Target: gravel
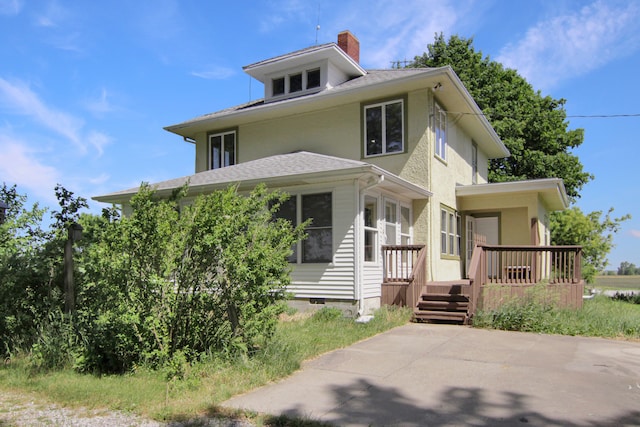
column 24, row 411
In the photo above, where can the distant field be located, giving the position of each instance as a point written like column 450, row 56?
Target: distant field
column 618, row 282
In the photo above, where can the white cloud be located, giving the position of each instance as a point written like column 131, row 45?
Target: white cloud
column 100, row 106
column 214, row 73
column 22, row 100
column 573, row 44
column 19, row 165
column 19, row 97
column 10, row 7
column 98, row 140
column 635, row 233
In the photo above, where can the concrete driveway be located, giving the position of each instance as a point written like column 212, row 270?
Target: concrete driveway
column 441, row 375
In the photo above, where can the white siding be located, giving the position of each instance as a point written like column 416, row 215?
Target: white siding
column 335, row 280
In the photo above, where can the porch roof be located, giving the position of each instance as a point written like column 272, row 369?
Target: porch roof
column 550, row 190
column 283, row 170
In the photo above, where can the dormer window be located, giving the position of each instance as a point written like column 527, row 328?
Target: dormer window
column 296, row 82
column 277, row 86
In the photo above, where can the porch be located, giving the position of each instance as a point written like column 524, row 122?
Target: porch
column 497, row 274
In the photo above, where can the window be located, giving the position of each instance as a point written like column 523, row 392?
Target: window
column 370, row 228
column 289, row 211
column 298, row 82
column 277, row 86
column 318, row 246
column 295, row 82
column 313, row 78
column 391, row 222
column 384, row 128
column 222, row 149
column 450, row 232
column 440, row 127
column 405, row 225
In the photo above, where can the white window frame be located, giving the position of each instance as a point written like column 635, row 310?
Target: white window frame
column 373, row 229
column 383, row 106
column 450, row 233
column 222, row 160
column 288, row 74
column 440, row 131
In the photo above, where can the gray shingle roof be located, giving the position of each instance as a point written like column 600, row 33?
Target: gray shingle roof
column 290, row 168
column 372, row 77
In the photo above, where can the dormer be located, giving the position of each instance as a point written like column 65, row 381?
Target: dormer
column 309, row 70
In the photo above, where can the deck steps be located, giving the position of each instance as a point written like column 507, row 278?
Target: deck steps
column 443, row 303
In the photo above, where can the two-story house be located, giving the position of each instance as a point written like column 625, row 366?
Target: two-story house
column 375, row 157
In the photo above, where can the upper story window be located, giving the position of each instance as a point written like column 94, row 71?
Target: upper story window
column 440, row 127
column 298, row 81
column 474, row 163
column 384, row 128
column 222, row 149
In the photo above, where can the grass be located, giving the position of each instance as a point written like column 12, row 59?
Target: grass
column 208, row 383
column 617, row 282
column 600, row 316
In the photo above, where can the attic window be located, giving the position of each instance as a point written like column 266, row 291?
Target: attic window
column 295, row 82
column 278, row 86
column 313, row 78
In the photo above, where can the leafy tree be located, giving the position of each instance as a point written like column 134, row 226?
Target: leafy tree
column 533, row 127
column 628, row 269
column 591, row 231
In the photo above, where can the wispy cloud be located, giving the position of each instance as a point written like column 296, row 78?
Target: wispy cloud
column 10, row 7
column 101, row 105
column 214, row 73
column 287, row 11
column 19, row 165
column 573, row 44
column 19, row 98
column 635, row 233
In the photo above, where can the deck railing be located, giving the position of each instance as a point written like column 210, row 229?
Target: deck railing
column 531, row 264
column 515, row 268
column 404, row 272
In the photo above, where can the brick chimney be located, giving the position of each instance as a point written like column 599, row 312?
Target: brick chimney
column 349, row 44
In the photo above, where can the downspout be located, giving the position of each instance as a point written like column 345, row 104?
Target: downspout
column 374, row 181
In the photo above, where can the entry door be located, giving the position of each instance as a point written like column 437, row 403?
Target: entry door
column 488, row 227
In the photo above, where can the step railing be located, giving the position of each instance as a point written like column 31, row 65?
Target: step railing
column 405, row 265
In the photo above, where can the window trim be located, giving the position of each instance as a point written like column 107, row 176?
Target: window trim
column 222, row 133
column 374, row 229
column 474, row 162
column 377, row 103
column 450, row 233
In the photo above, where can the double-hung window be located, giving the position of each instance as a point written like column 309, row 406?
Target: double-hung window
column 450, row 232
column 384, row 128
column 440, row 127
column 222, row 149
column 370, row 228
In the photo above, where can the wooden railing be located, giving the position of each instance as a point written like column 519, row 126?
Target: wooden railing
column 404, row 272
column 518, row 267
column 531, row 264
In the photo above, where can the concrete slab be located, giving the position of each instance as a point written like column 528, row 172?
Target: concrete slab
column 423, row 374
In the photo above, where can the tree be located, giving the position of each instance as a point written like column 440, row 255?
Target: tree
column 533, row 127
column 591, row 231
column 628, row 269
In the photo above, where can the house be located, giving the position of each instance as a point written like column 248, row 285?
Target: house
column 392, row 165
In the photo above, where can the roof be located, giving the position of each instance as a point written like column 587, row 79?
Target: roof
column 551, row 190
column 452, row 94
column 331, row 51
column 281, row 170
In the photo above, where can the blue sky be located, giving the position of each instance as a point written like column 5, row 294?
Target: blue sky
column 86, row 87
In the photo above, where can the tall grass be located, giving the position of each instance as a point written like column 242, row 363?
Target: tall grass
column 206, row 384
column 600, row 316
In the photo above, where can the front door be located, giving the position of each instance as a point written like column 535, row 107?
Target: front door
column 489, row 227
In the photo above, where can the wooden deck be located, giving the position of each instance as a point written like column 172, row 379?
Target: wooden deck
column 498, row 274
